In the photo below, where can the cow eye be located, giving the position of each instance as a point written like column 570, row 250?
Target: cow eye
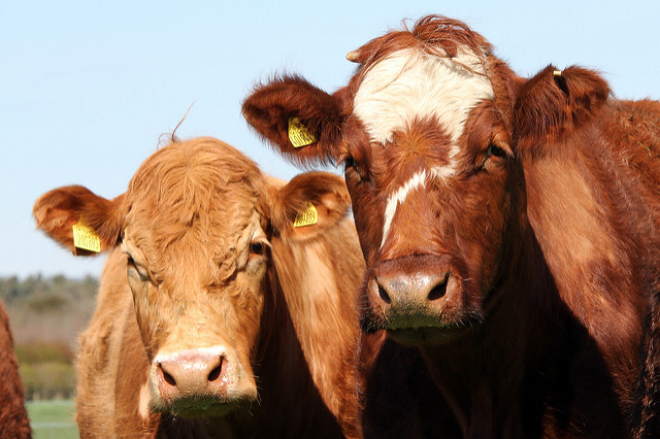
column 257, row 248
column 495, row 151
column 351, row 164
column 136, row 271
column 130, row 262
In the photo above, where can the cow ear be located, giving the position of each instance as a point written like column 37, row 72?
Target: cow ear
column 79, row 220
column 309, row 205
column 555, row 102
column 299, row 119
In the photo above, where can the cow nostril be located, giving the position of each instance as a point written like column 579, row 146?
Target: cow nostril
column 169, row 379
column 438, row 291
column 215, row 373
column 383, row 295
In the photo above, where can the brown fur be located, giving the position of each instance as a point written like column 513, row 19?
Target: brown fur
column 186, row 229
column 534, row 251
column 14, row 422
column 594, row 161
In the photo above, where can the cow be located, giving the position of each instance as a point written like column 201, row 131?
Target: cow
column 14, row 422
column 600, row 157
column 510, row 268
column 227, row 305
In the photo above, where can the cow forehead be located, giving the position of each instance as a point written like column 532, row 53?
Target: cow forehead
column 209, row 243
column 412, row 84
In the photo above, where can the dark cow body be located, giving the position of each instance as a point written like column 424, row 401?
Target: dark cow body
column 502, row 225
column 646, row 415
column 14, row 422
column 217, row 316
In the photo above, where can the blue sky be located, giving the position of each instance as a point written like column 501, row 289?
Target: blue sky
column 87, row 88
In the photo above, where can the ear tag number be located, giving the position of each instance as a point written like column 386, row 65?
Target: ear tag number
column 307, row 217
column 85, row 238
column 299, row 134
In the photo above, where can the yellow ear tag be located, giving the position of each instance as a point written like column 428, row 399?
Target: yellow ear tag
column 299, row 134
column 85, row 238
column 307, row 217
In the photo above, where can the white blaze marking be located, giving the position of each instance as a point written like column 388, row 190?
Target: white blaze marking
column 442, row 171
column 398, row 197
column 410, row 84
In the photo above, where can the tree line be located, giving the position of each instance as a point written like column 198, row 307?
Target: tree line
column 47, row 316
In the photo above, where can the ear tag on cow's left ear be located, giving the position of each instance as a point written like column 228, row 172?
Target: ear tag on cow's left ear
column 307, row 217
column 85, row 238
column 299, row 134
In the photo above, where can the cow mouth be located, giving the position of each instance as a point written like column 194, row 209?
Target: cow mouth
column 202, row 407
column 425, row 329
column 436, row 335
column 415, row 329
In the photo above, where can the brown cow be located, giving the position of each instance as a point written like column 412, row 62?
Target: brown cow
column 14, row 421
column 238, row 315
column 516, row 282
column 592, row 169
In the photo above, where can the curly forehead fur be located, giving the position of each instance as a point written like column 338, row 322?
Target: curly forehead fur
column 201, row 194
column 434, row 34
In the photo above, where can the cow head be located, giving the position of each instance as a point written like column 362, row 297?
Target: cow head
column 196, row 226
column 423, row 132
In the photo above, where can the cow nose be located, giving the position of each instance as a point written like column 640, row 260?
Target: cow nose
column 192, row 373
column 411, row 292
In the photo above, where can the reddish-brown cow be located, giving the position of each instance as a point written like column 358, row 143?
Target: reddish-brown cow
column 524, row 302
column 14, row 421
column 231, row 313
column 592, row 169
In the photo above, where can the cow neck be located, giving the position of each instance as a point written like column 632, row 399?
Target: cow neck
column 485, row 375
column 284, row 378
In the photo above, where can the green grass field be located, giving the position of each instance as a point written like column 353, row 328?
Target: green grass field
column 52, row 419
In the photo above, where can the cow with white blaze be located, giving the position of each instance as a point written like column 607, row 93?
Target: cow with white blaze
column 524, row 332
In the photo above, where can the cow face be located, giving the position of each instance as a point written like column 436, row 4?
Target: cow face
column 197, row 256
column 422, row 130
column 195, row 226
